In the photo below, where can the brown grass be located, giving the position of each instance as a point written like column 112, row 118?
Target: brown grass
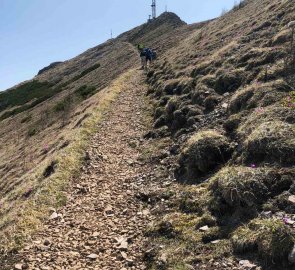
column 50, row 192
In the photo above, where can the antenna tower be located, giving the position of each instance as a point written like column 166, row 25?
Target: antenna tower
column 154, row 8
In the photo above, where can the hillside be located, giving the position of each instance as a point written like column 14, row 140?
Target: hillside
column 225, row 96
column 46, row 124
column 198, row 174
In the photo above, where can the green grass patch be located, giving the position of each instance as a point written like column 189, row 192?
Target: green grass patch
column 25, row 97
column 85, row 72
column 32, row 131
column 85, row 91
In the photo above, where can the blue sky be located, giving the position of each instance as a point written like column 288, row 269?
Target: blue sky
column 35, row 33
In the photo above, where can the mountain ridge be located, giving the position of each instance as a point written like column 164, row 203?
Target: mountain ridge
column 219, row 146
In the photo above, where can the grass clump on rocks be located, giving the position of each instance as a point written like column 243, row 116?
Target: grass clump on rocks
column 258, row 95
column 86, row 71
column 25, row 97
column 85, row 91
column 271, row 141
column 271, row 238
column 249, row 187
column 204, row 152
column 229, row 80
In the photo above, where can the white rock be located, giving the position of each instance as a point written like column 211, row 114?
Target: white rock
column 18, row 266
column 289, row 221
column 163, row 258
column 247, row 265
column 204, row 228
column 95, row 234
column 291, row 256
column 124, row 255
column 92, row 256
column 291, row 24
column 54, row 215
column 123, row 246
column 215, row 241
column 291, row 199
column 146, row 212
column 224, row 105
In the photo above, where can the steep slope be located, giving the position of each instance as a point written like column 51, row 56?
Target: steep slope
column 218, row 163
column 47, row 118
column 225, row 96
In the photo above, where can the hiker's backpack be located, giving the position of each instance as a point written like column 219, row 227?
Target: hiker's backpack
column 154, row 55
column 151, row 54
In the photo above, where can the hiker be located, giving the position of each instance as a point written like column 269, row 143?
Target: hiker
column 147, row 55
column 140, row 48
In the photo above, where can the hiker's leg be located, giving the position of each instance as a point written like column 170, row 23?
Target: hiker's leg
column 151, row 61
column 143, row 62
column 148, row 61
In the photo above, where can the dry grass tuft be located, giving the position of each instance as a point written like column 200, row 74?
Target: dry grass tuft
column 258, row 95
column 204, row 152
column 272, row 142
column 249, row 187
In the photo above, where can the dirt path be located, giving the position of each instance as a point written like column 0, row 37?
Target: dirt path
column 101, row 227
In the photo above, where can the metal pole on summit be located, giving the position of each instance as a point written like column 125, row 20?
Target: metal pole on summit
column 154, row 9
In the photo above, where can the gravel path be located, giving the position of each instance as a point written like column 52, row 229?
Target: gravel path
column 102, row 225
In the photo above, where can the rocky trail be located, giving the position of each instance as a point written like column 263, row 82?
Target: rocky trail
column 102, row 224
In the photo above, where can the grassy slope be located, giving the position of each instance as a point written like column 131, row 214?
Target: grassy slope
column 29, row 210
column 229, row 78
column 41, row 121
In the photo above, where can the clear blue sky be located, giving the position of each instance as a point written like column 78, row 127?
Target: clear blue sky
column 35, row 33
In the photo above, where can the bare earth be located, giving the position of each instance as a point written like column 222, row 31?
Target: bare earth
column 101, row 227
